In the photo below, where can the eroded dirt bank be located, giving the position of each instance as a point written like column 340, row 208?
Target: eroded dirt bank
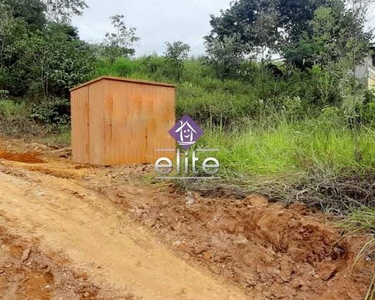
column 135, row 239
column 272, row 252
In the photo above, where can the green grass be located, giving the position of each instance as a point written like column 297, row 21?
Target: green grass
column 371, row 291
column 289, row 148
column 62, row 138
column 362, row 221
column 262, row 126
column 10, row 109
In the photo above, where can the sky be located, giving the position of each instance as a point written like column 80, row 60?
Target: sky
column 157, row 21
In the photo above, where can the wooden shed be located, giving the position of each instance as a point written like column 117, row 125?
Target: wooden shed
column 121, row 121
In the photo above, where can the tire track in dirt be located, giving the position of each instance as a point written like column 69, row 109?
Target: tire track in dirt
column 99, row 238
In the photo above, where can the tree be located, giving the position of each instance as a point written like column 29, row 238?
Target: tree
column 176, row 53
column 57, row 60
column 292, row 18
column 356, row 46
column 119, row 43
column 32, row 12
column 329, row 41
column 225, row 55
column 61, row 11
column 36, row 12
column 12, row 32
column 38, row 57
column 264, row 30
column 41, row 55
column 265, row 24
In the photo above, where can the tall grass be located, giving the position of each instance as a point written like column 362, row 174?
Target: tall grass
column 363, row 221
column 262, row 127
column 289, row 148
column 222, row 102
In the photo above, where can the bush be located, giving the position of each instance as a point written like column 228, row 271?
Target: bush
column 54, row 112
column 368, row 108
column 15, row 118
column 10, row 108
column 215, row 108
column 19, row 119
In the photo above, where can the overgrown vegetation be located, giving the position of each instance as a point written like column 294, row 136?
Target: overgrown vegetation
column 363, row 221
column 301, row 118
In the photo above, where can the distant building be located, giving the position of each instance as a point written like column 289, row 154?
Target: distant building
column 365, row 72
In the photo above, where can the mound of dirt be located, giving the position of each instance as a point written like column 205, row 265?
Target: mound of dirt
column 271, row 251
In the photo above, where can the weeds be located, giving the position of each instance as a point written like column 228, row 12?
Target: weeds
column 290, row 148
column 362, row 221
column 371, row 291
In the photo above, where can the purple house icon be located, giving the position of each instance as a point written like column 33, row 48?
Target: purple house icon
column 186, row 132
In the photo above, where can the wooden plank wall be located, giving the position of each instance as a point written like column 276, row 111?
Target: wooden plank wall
column 117, row 122
column 80, row 125
column 138, row 118
column 97, row 132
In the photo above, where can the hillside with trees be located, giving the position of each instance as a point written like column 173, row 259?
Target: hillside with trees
column 305, row 116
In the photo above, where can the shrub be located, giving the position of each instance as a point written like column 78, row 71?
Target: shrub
column 55, row 112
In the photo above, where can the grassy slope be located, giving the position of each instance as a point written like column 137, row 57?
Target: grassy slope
column 289, row 148
column 255, row 139
column 262, row 127
column 271, row 137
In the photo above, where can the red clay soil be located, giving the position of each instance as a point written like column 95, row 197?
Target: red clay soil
column 271, row 251
column 28, row 157
column 26, row 273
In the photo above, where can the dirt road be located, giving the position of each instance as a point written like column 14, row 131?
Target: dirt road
column 77, row 232
column 99, row 238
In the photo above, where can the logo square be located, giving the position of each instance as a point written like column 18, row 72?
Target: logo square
column 186, row 132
